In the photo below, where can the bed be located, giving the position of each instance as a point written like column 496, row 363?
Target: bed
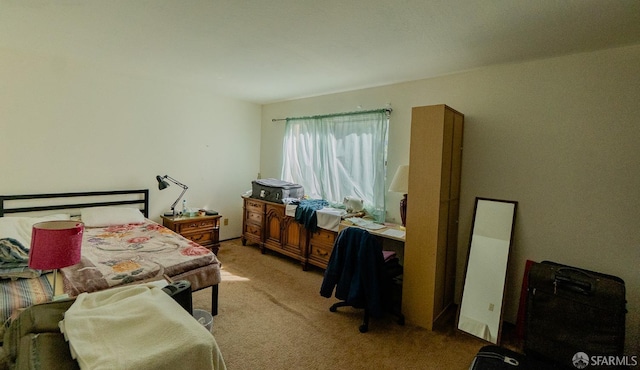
column 116, row 249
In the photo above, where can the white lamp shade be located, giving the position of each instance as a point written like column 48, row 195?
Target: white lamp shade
column 400, row 182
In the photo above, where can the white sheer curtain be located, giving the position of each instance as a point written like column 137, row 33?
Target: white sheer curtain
column 339, row 155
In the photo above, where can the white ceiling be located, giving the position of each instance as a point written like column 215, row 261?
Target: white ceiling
column 272, row 50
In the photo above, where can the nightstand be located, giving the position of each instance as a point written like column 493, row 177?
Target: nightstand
column 204, row 230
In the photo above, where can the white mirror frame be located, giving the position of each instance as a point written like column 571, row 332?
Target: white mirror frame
column 480, row 311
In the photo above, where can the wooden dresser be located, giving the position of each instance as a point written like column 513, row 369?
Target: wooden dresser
column 204, row 230
column 266, row 224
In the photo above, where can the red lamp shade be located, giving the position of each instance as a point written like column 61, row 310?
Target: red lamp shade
column 55, row 244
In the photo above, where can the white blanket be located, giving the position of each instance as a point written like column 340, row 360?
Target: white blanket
column 137, row 327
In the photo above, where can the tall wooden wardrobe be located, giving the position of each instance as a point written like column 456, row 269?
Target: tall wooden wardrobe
column 433, row 202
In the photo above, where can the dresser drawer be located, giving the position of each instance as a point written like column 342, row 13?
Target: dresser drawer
column 320, row 253
column 323, row 237
column 255, row 218
column 321, row 246
column 254, row 206
column 201, row 238
column 255, row 230
column 195, row 225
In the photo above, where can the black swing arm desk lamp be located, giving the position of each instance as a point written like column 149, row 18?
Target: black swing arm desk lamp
column 162, row 184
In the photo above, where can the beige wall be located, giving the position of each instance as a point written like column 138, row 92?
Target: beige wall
column 560, row 136
column 67, row 126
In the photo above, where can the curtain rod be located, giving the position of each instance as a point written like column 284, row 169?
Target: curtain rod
column 387, row 110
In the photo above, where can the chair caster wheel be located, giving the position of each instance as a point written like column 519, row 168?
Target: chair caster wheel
column 364, row 328
column 333, row 309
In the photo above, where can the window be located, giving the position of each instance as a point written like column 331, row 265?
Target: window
column 339, row 155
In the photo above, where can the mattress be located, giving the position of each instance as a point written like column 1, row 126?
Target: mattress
column 126, row 254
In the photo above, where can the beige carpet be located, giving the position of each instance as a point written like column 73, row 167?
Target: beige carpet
column 271, row 316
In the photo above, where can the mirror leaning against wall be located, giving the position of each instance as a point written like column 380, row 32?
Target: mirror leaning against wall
column 481, row 308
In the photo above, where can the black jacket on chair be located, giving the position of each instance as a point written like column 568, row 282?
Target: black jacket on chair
column 355, row 269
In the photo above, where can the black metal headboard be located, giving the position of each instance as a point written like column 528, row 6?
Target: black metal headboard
column 73, row 201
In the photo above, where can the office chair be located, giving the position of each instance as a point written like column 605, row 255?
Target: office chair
column 363, row 277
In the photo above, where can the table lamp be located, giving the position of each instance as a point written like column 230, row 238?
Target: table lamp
column 163, row 185
column 54, row 245
column 400, row 184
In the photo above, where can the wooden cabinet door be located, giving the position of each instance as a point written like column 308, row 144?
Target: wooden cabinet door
column 274, row 215
column 294, row 236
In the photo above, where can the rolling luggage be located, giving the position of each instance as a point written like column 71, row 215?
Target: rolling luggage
column 572, row 312
column 492, row 357
column 274, row 190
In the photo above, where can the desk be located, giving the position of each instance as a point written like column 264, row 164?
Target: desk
column 389, row 231
column 391, row 235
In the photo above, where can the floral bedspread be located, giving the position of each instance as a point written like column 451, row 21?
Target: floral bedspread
column 123, row 254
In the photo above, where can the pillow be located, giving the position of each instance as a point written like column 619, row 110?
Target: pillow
column 109, row 216
column 19, row 228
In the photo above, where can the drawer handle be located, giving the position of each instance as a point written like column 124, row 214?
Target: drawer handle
column 197, row 237
column 322, row 253
column 193, row 225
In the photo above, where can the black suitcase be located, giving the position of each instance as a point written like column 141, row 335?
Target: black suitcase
column 274, row 190
column 492, row 357
column 572, row 312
